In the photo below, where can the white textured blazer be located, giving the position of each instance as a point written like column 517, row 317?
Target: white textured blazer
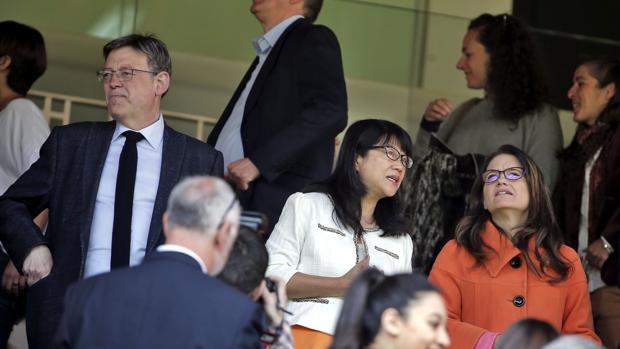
column 306, row 239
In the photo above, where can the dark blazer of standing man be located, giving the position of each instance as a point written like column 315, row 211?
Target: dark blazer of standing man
column 170, row 300
column 277, row 133
column 76, row 179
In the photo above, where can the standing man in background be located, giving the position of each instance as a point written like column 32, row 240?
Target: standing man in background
column 277, row 132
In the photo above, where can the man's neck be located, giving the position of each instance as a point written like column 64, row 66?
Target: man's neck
column 268, row 24
column 201, row 246
column 139, row 124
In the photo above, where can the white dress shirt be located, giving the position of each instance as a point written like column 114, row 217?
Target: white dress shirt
column 229, row 140
column 145, row 191
column 184, row 250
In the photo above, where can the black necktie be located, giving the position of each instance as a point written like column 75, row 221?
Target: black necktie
column 123, row 200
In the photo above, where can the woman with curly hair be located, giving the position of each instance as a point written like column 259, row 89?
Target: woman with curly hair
column 508, row 261
column 587, row 198
column 498, row 56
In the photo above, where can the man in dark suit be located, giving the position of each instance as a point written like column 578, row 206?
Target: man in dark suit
column 105, row 185
column 170, row 301
column 277, row 133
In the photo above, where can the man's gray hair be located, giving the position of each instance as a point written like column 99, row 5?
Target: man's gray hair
column 573, row 342
column 201, row 204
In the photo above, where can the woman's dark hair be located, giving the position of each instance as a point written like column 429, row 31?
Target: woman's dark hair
column 26, row 48
column 607, row 71
column 514, row 81
column 345, row 188
column 527, row 334
column 540, row 224
column 370, row 294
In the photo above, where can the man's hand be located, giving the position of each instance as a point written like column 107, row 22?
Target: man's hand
column 242, row 172
column 272, row 303
column 438, row 110
column 38, row 264
column 12, row 282
column 596, row 254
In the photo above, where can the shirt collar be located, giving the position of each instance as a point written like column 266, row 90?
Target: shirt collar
column 263, row 44
column 153, row 133
column 184, row 250
column 504, row 249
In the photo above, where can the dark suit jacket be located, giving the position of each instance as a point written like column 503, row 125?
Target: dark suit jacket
column 166, row 302
column 297, row 106
column 65, row 179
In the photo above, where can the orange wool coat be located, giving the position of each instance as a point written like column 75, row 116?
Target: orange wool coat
column 492, row 296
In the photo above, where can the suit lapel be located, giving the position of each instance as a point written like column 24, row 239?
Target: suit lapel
column 171, row 161
column 269, row 64
column 97, row 146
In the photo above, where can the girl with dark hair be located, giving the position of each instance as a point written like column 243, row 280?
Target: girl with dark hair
column 587, row 199
column 508, row 261
column 329, row 234
column 402, row 311
column 498, row 56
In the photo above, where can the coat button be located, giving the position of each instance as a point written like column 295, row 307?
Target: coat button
column 518, row 301
column 515, row 262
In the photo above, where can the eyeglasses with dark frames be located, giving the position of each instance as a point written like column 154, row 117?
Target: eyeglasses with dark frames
column 511, row 174
column 124, row 75
column 393, row 154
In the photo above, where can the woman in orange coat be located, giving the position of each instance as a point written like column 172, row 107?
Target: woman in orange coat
column 508, row 261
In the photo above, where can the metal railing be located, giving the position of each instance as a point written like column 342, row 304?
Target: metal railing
column 68, row 101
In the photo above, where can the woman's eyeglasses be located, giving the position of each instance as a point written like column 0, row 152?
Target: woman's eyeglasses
column 511, row 174
column 393, row 154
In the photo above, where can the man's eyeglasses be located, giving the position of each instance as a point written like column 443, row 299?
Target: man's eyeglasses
column 393, row 154
column 511, row 174
column 124, row 75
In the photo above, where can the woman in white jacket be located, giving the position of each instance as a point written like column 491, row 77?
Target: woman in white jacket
column 329, row 234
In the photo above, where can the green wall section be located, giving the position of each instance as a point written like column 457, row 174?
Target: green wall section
column 376, row 41
column 377, row 37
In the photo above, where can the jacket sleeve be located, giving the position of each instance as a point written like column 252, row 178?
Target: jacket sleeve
column 218, row 165
column 462, row 334
column 24, row 200
column 286, row 241
column 249, row 334
column 323, row 104
column 611, row 214
column 577, row 317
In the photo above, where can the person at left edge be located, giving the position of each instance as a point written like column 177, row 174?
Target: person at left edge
column 75, row 178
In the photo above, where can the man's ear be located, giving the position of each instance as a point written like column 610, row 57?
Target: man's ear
column 166, row 224
column 224, row 237
column 162, row 83
column 391, row 322
column 610, row 91
column 5, row 62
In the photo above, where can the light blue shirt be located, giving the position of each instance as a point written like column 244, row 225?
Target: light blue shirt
column 145, row 191
column 184, row 250
column 229, row 140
